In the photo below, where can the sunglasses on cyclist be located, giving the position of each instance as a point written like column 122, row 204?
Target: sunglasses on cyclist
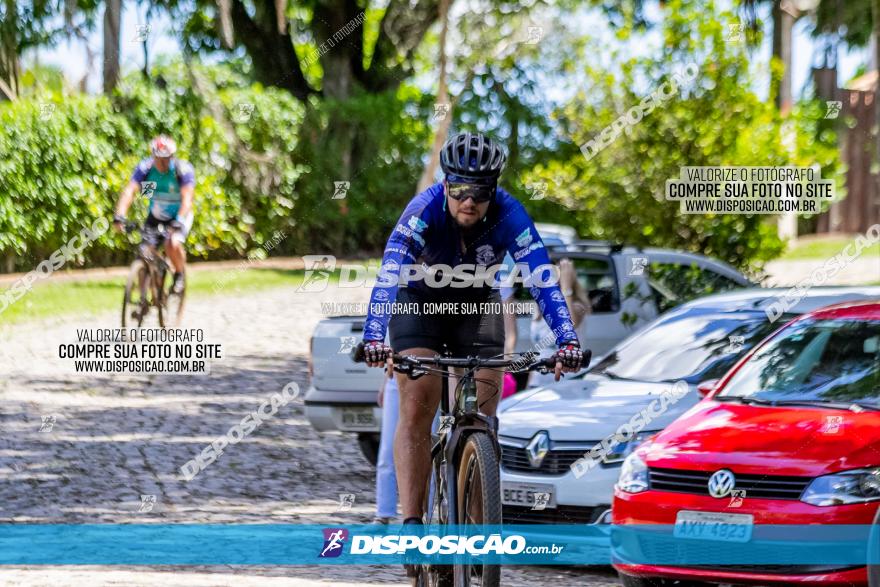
column 480, row 194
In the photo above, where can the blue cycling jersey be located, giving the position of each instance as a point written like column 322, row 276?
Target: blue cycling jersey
column 426, row 233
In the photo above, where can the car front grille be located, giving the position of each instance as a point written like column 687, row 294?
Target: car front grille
column 755, row 486
column 557, row 462
column 563, row 514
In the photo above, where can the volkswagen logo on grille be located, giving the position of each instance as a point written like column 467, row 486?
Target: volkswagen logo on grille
column 537, row 448
column 721, row 483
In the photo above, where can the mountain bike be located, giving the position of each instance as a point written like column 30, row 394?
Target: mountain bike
column 150, row 285
column 464, row 486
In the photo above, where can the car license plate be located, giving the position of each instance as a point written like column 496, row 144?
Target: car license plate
column 714, row 526
column 358, row 418
column 538, row 496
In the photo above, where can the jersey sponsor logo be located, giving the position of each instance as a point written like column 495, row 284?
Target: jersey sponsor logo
column 410, row 232
column 563, row 313
column 391, row 266
column 542, row 305
column 557, row 296
column 373, row 327
column 417, row 224
column 562, row 328
column 525, row 251
column 396, row 249
column 524, row 238
column 485, row 255
column 381, row 295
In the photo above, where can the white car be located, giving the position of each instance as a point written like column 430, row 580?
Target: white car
column 545, row 431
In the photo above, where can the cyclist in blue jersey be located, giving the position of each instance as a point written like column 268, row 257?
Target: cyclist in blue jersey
column 170, row 184
column 458, row 227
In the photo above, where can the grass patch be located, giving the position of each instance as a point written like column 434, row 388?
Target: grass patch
column 102, row 294
column 824, row 248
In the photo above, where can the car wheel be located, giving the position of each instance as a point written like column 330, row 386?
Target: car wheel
column 369, row 444
column 874, row 547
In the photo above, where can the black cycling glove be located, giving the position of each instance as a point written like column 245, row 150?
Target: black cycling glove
column 376, row 351
column 570, row 355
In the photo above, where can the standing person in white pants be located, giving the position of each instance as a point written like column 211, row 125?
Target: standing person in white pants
column 386, row 478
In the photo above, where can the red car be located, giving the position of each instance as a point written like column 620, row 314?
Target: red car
column 789, row 436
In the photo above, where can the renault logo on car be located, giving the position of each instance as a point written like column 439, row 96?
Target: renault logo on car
column 721, row 483
column 537, row 448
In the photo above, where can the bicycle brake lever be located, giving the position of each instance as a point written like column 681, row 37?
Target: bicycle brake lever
column 417, row 373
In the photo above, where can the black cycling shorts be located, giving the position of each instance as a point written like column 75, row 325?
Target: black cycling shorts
column 468, row 333
column 151, row 235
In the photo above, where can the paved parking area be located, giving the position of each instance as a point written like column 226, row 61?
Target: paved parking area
column 114, row 439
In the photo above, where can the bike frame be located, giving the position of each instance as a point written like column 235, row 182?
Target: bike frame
column 464, row 424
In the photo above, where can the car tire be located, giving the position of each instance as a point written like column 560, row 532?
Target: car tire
column 369, row 444
column 874, row 545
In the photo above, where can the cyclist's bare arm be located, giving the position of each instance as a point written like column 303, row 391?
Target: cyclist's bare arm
column 126, row 197
column 187, row 193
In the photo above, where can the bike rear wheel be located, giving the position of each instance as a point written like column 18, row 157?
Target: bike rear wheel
column 479, row 502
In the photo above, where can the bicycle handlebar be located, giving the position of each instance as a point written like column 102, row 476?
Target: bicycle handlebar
column 529, row 360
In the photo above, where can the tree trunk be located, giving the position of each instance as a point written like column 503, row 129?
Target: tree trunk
column 9, row 53
column 442, row 102
column 112, row 23
column 272, row 54
column 782, row 25
column 875, row 10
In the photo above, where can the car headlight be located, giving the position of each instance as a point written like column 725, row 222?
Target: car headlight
column 633, row 475
column 857, row 486
column 623, row 449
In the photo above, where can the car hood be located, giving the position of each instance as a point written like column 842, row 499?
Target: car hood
column 588, row 409
column 799, row 441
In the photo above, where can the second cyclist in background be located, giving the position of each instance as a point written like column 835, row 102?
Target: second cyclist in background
column 169, row 182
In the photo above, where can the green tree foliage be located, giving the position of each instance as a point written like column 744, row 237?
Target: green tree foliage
column 715, row 119
column 263, row 161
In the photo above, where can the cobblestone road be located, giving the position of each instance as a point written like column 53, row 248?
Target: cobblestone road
column 114, row 439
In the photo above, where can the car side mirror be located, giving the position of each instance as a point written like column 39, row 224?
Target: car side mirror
column 707, row 387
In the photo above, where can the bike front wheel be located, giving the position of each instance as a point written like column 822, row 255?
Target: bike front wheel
column 436, row 516
column 136, row 300
column 479, row 502
column 172, row 304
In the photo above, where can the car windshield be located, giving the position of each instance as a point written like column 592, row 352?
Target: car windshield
column 693, row 347
column 815, row 361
